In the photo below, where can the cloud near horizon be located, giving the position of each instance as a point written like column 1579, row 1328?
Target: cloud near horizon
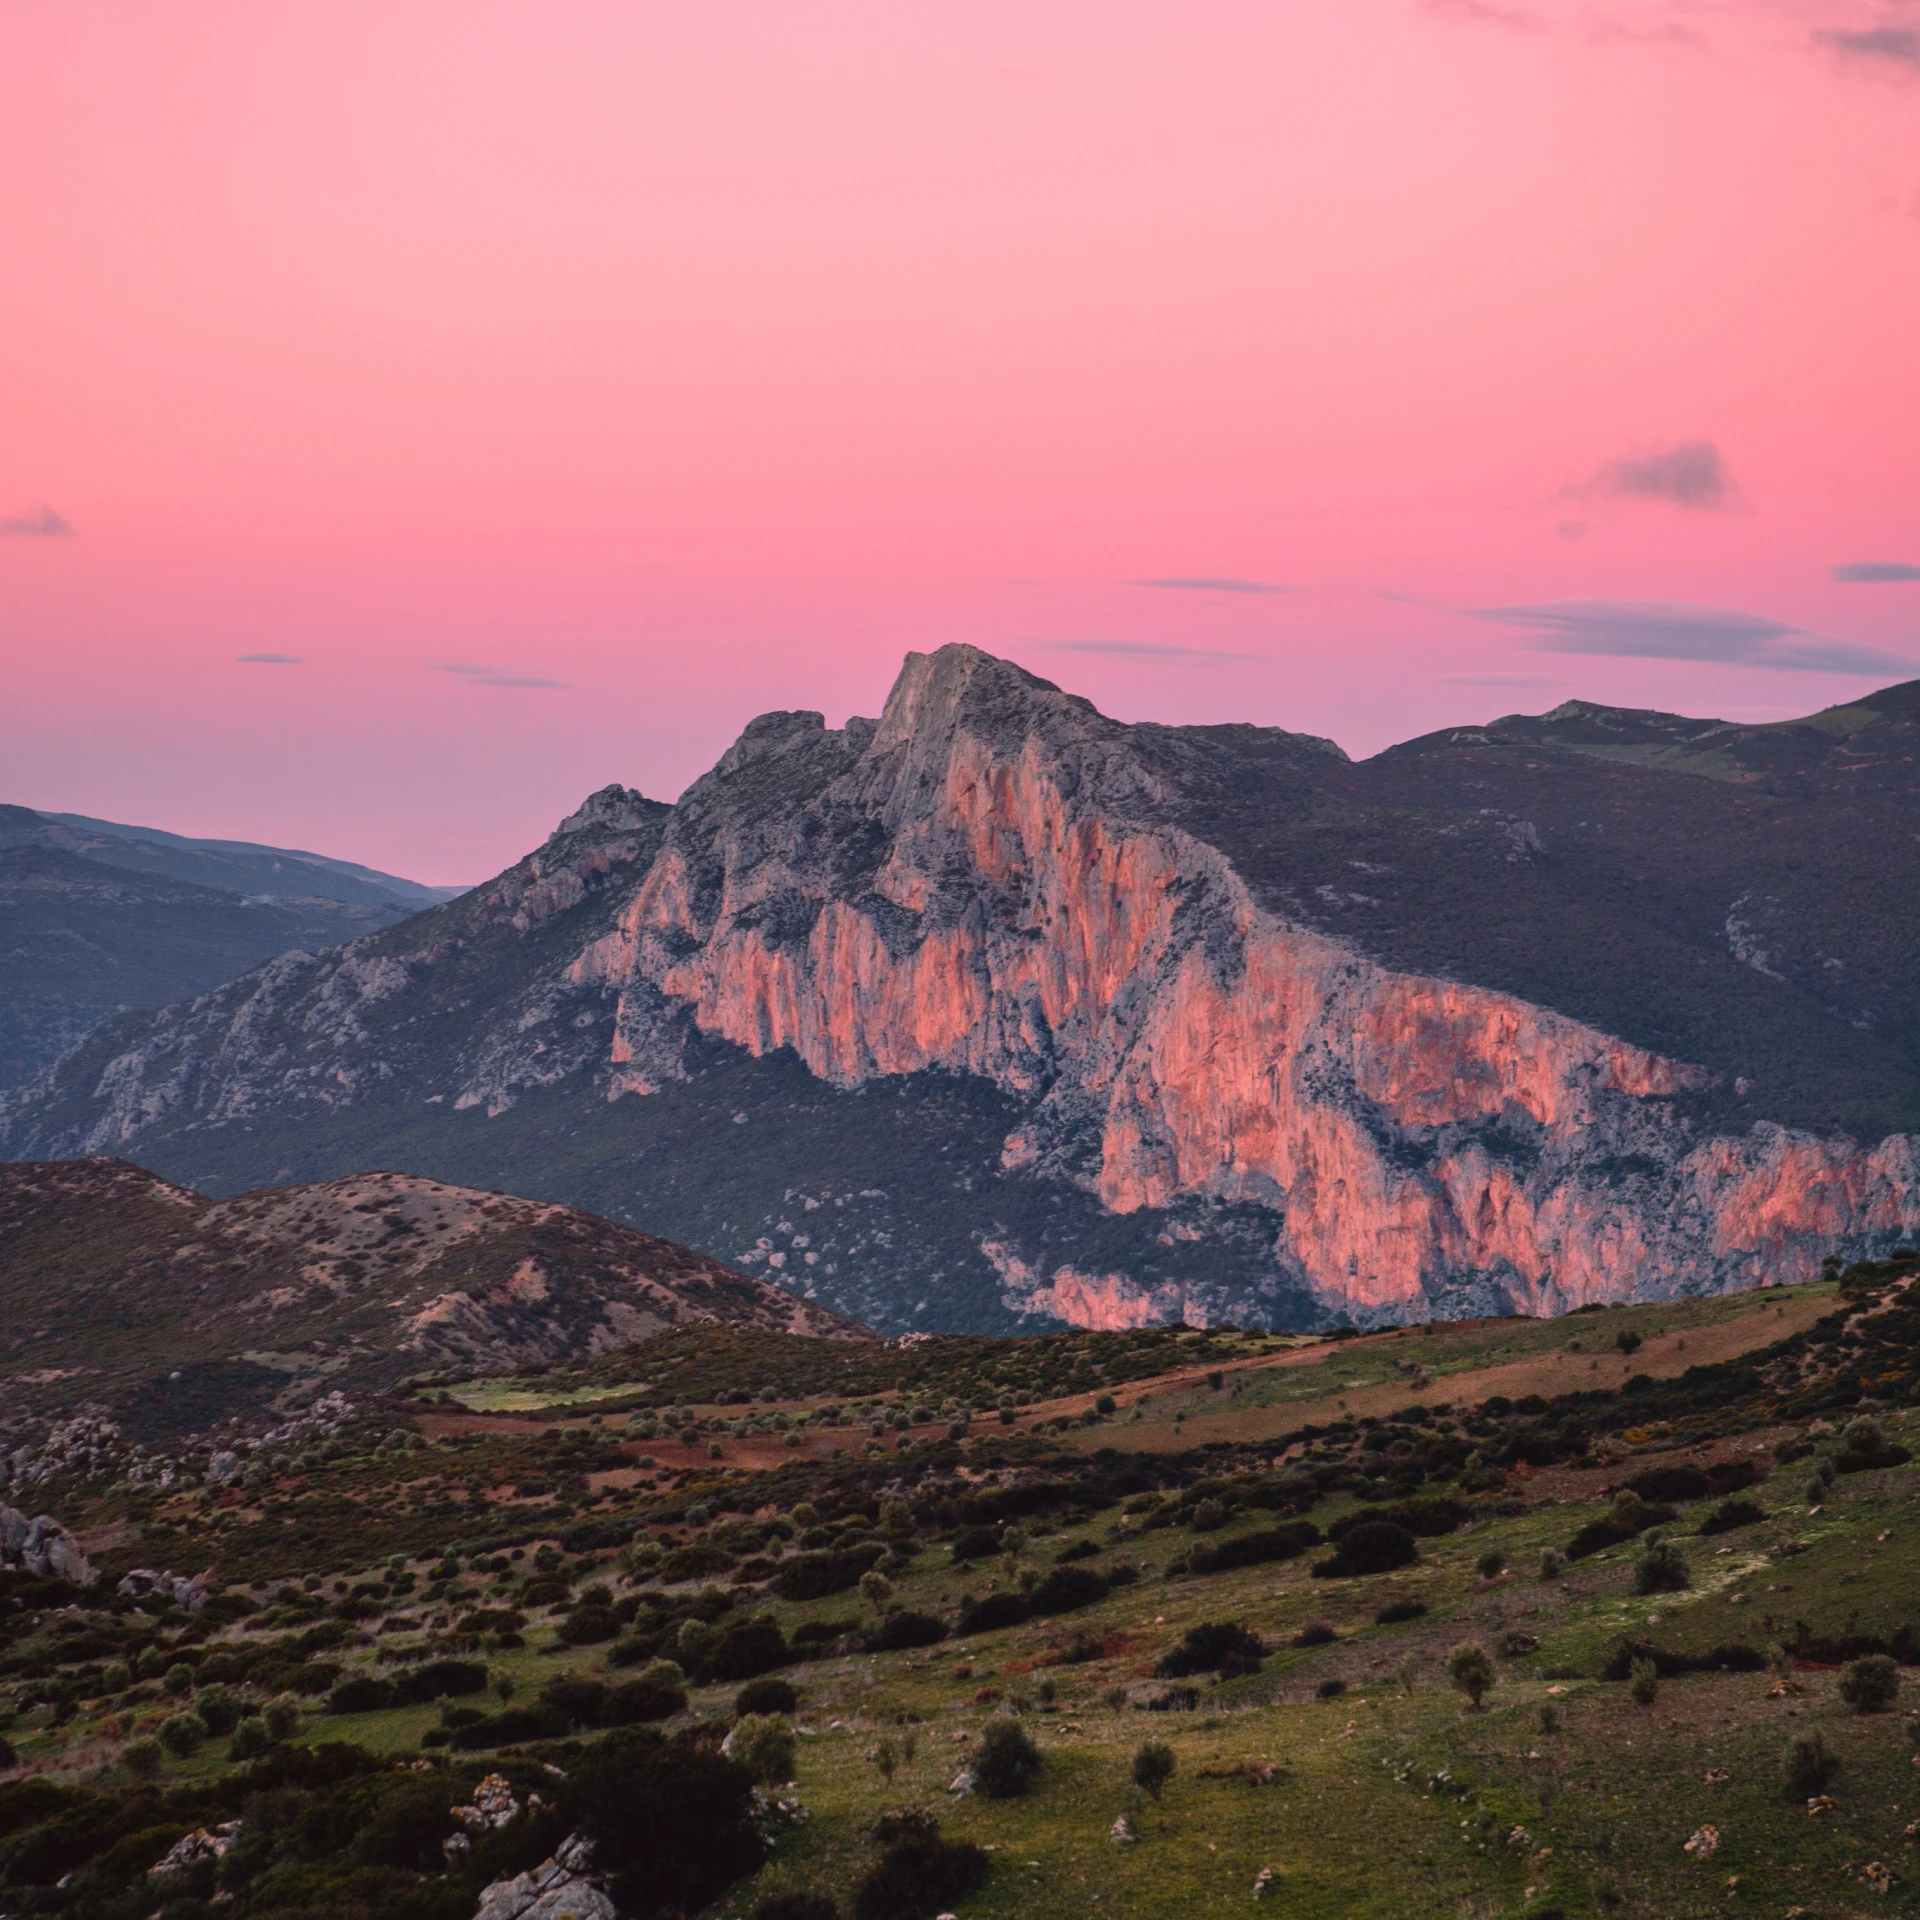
column 1656, row 630
column 1899, row 45
column 1874, row 572
column 1690, row 473
column 491, row 676
column 41, row 524
column 1212, row 583
column 268, row 659
column 1143, row 650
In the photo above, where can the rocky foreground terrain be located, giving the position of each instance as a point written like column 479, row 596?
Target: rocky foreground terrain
column 996, row 1012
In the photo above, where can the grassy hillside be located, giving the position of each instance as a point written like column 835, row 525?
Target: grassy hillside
column 1672, row 1576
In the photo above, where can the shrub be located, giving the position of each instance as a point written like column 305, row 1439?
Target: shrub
column 974, row 1543
column 8, row 1758
column 362, row 1694
column 1212, row 1647
column 181, row 1733
column 906, row 1629
column 1329, row 1689
column 766, row 1696
column 1377, row 1546
column 1644, row 1682
column 1627, row 1340
column 1256, row 1549
column 1730, row 1514
column 1067, row 1588
column 438, row 1679
column 1007, row 1763
column 282, row 1717
column 1491, row 1564
column 1397, row 1610
column 749, row 1648
column 1864, row 1446
column 671, row 1823
column 1427, row 1519
column 919, row 1874
column 250, row 1739
column 1870, row 1684
column 1470, row 1671
column 1153, row 1766
column 1316, row 1633
column 588, row 1626
column 178, row 1680
column 1808, row 1767
column 1661, row 1568
column 634, row 1702
column 763, row 1744
column 142, row 1758
column 1551, row 1565
column 1208, row 1515
column 219, row 1707
column 995, row 1611
column 577, row 1700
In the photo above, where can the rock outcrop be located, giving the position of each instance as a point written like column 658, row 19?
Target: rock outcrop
column 993, row 883
column 44, row 1547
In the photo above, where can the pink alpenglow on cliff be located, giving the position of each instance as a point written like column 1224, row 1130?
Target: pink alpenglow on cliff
column 1299, row 1039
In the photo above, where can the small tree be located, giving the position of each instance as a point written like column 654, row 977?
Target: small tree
column 1491, row 1564
column 1808, row 1767
column 504, row 1687
column 885, row 1757
column 180, row 1733
column 250, row 1739
column 1153, row 1766
column 282, row 1717
column 876, row 1589
column 1644, row 1682
column 1551, row 1565
column 1008, row 1763
column 1627, row 1341
column 1470, row 1669
column 1870, row 1685
column 763, row 1744
column 179, row 1680
column 142, row 1758
column 1661, row 1568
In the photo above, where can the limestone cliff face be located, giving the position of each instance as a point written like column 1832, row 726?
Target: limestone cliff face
column 995, row 881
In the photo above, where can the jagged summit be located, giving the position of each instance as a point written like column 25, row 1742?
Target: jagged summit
column 997, row 1008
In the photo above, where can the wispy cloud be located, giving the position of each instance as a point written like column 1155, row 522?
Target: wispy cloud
column 1143, row 650
column 492, row 676
column 1889, row 46
column 1654, row 630
column 1875, row 572
column 42, row 523
column 1212, row 583
column 1690, row 473
column 268, row 659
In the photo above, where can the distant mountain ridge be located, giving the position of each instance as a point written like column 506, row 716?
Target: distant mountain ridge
column 131, row 1296
column 995, row 1011
column 96, row 918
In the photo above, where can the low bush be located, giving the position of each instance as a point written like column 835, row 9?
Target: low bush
column 1396, row 1611
column 1329, row 1689
column 919, row 1874
column 1007, row 1763
column 1153, row 1765
column 905, row 1629
column 1065, row 1589
column 1287, row 1542
column 763, row 1744
column 1730, row 1514
column 362, row 1694
column 993, row 1612
column 1661, row 1568
column 1808, row 1767
column 1316, row 1633
column 1378, row 1546
column 1470, row 1671
column 1214, row 1646
column 766, row 1696
column 1870, row 1684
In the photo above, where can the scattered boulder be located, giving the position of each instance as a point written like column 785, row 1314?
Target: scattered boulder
column 42, row 1546
column 557, row 1889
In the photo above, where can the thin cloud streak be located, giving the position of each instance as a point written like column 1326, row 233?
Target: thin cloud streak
column 1212, row 583
column 268, row 659
column 40, row 524
column 491, row 676
column 1898, row 45
column 1655, row 630
column 1875, row 572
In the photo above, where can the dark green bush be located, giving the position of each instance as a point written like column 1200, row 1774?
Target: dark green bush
column 766, row 1696
column 1396, row 1611
column 1153, row 1765
column 635, row 1702
column 905, row 1629
column 1730, row 1514
column 1808, row 1767
column 1007, row 1763
column 919, row 1875
column 993, row 1612
column 1286, row 1542
column 746, row 1649
column 1065, row 1589
column 1378, row 1546
column 1214, row 1646
column 362, row 1694
column 1870, row 1684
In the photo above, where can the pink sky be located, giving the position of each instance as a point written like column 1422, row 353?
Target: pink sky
column 705, row 359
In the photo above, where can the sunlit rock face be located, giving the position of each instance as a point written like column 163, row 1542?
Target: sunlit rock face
column 1023, row 909
column 995, row 882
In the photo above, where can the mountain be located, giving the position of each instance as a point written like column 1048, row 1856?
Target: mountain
column 100, row 918
column 997, row 1012
column 126, row 1294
